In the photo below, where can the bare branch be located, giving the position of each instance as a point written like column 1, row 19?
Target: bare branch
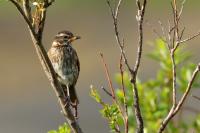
column 45, row 62
column 196, row 97
column 193, row 110
column 124, row 93
column 188, row 88
column 181, row 10
column 24, row 16
column 117, row 9
column 111, row 10
column 176, row 105
column 182, row 32
column 108, row 78
column 163, row 29
column 162, row 37
column 185, row 40
column 155, row 31
column 175, row 110
column 140, row 18
column 190, row 38
column 117, row 128
column 115, row 23
column 27, row 10
column 133, row 72
column 169, row 36
column 174, row 78
column 138, row 4
column 106, row 91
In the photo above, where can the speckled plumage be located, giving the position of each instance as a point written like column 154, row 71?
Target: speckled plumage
column 65, row 63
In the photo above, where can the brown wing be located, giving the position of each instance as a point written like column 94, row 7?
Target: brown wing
column 77, row 64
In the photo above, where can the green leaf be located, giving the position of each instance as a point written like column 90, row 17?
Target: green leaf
column 94, row 94
column 52, row 131
column 62, row 129
column 155, row 94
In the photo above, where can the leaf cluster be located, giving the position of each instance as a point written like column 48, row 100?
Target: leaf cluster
column 155, row 94
column 62, row 129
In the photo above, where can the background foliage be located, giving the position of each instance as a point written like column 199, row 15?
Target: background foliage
column 155, row 94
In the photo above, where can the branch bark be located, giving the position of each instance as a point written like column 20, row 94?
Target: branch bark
column 196, row 97
column 133, row 72
column 173, row 45
column 44, row 59
column 175, row 110
column 140, row 19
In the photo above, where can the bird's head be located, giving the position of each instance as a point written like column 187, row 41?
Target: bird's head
column 65, row 37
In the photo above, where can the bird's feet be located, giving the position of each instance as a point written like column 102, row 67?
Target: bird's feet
column 68, row 103
column 75, row 106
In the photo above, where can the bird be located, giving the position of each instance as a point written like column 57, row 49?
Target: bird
column 66, row 64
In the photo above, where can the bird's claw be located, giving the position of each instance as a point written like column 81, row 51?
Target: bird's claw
column 68, row 103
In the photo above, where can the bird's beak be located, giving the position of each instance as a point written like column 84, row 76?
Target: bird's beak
column 74, row 38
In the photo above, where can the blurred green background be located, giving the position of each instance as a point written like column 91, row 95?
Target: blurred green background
column 27, row 101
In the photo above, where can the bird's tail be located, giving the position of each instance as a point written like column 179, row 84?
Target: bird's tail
column 72, row 94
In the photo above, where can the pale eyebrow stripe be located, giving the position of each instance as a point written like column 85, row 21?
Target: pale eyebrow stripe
column 62, row 34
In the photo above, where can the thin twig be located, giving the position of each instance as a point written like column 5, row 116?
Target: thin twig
column 173, row 78
column 173, row 112
column 124, row 93
column 191, row 109
column 115, row 23
column 169, row 36
column 182, row 32
column 115, row 13
column 115, row 101
column 24, row 16
column 190, row 38
column 183, row 98
column 196, row 97
column 188, row 87
column 140, row 18
column 106, row 91
column 155, row 31
column 164, row 34
column 176, row 105
column 108, row 78
column 185, row 40
column 162, row 28
column 176, row 22
column 27, row 10
column 181, row 10
column 117, row 9
column 162, row 37
column 133, row 72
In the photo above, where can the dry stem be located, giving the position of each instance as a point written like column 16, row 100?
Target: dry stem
column 173, row 45
column 133, row 72
column 36, row 32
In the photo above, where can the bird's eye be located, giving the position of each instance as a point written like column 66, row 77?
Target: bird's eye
column 65, row 37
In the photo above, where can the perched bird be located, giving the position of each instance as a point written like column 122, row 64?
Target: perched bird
column 66, row 64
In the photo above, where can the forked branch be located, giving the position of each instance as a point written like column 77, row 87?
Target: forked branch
column 174, row 40
column 177, row 108
column 36, row 31
column 133, row 71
